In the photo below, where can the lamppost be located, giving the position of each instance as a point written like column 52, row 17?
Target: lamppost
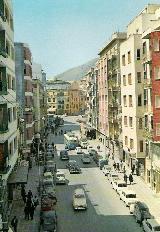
column 37, row 139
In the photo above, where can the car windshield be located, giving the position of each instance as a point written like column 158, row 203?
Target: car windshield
column 131, row 196
column 122, row 185
column 157, row 228
column 60, row 175
column 79, row 195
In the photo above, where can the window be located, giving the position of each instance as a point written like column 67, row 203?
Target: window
column 130, row 121
column 157, row 129
column 125, row 100
column 144, row 48
column 146, row 121
column 140, row 122
column 130, row 101
column 126, row 140
column 123, row 60
column 156, row 45
column 139, row 100
column 141, row 146
column 9, row 114
column 49, row 99
column 124, row 80
column 12, row 53
column 13, row 83
column 145, row 97
column 53, row 99
column 11, row 148
column 15, row 144
column 139, row 77
column 131, row 144
column 129, row 57
column 14, row 113
column 157, row 73
column 145, row 71
column 125, row 120
column 157, row 101
column 129, row 79
column 7, row 47
column 138, row 54
column 152, row 122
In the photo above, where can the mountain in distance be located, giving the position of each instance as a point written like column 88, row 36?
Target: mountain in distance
column 76, row 73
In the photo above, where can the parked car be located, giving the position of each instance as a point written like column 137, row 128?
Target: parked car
column 64, row 155
column 70, row 163
column 51, row 166
column 112, row 177
column 48, row 176
column 106, row 170
column 128, row 196
column 78, row 150
column 83, row 143
column 141, row 211
column 85, row 159
column 60, row 178
column 48, row 221
column 74, row 169
column 79, row 199
column 119, row 185
column 151, row 225
column 70, row 146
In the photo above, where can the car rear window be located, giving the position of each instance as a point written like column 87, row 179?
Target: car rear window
column 131, row 196
column 122, row 185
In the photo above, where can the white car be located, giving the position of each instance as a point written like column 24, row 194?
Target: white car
column 79, row 199
column 128, row 196
column 47, row 176
column 106, row 170
column 60, row 178
column 119, row 186
column 78, row 150
column 151, row 225
column 112, row 177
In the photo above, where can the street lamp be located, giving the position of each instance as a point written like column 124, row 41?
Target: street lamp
column 37, row 138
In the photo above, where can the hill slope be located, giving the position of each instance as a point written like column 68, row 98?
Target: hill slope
column 76, row 73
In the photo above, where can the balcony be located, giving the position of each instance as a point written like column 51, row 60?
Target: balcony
column 3, row 81
column 147, row 83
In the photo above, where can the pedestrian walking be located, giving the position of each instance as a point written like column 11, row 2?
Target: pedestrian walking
column 125, row 177
column 29, row 195
column 35, row 201
column 121, row 165
column 26, row 212
column 14, row 223
column 114, row 165
column 23, row 193
column 130, row 178
column 124, row 169
column 133, row 168
column 31, row 211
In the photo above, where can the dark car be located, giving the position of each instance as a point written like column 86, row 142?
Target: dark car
column 64, row 155
column 48, row 221
column 71, row 146
column 74, row 169
column 92, row 152
column 141, row 211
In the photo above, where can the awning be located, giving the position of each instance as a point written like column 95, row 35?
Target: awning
column 20, row 176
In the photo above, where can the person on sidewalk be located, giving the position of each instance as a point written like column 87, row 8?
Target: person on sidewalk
column 125, row 177
column 133, row 168
column 31, row 211
column 35, row 202
column 118, row 167
column 114, row 165
column 121, row 165
column 30, row 194
column 130, row 178
column 26, row 212
column 14, row 223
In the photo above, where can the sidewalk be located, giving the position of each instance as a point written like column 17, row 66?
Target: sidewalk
column 18, row 205
column 143, row 191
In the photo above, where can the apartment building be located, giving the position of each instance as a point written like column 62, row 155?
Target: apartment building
column 39, row 98
column 109, row 92
column 57, row 96
column 133, row 90
column 8, row 106
column 24, row 88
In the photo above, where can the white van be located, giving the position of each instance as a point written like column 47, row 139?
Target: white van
column 60, row 178
column 128, row 196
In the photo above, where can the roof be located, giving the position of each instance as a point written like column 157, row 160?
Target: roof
column 47, row 174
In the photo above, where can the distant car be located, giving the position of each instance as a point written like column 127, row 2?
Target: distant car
column 151, row 225
column 128, row 196
column 106, row 170
column 78, row 150
column 141, row 211
column 70, row 163
column 119, row 185
column 85, row 159
column 60, row 178
column 83, row 143
column 64, row 155
column 113, row 176
column 70, row 146
column 79, row 199
column 75, row 169
column 48, row 221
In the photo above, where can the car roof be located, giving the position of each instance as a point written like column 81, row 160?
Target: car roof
column 128, row 191
column 47, row 173
column 121, row 182
column 154, row 222
column 79, row 191
column 60, row 172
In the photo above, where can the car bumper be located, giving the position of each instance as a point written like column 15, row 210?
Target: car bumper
column 66, row 158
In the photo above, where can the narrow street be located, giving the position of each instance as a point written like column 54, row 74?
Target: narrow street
column 105, row 211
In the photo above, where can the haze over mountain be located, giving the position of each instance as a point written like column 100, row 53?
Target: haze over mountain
column 76, row 73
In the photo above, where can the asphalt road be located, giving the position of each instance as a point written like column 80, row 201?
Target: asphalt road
column 105, row 213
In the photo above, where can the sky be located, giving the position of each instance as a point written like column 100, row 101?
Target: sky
column 66, row 33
